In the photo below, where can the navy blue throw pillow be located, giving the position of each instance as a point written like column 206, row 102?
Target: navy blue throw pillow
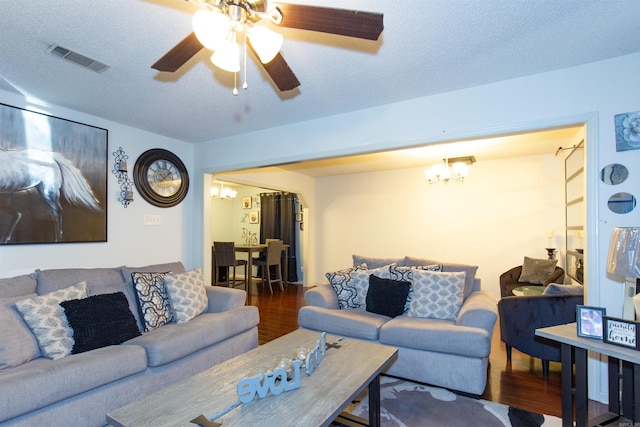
column 100, row 320
column 387, row 296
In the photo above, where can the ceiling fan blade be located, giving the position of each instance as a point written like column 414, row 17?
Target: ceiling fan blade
column 280, row 73
column 181, row 53
column 352, row 23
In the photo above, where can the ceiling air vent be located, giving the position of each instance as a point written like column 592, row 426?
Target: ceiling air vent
column 77, row 58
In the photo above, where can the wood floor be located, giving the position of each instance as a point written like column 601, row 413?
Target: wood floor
column 519, row 383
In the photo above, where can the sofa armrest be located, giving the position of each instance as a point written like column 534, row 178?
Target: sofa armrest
column 479, row 310
column 322, row 296
column 224, row 299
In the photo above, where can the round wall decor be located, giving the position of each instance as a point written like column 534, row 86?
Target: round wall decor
column 161, row 178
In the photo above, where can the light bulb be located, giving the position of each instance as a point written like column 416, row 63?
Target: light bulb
column 210, row 28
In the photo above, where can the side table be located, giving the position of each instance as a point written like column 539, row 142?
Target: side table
column 624, row 378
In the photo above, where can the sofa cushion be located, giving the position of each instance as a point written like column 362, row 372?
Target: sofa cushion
column 558, row 289
column 43, row 382
column 536, row 270
column 372, row 262
column 387, row 297
column 52, row 280
column 173, row 267
column 187, row 294
column 17, row 344
column 18, row 286
column 448, row 267
column 100, row 320
column 152, row 299
column 343, row 284
column 441, row 336
column 174, row 341
column 47, row 320
column 361, row 282
column 436, row 295
column 355, row 323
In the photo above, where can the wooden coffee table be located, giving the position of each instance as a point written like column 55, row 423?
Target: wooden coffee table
column 342, row 375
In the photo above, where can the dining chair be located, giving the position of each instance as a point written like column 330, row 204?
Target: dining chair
column 272, row 259
column 224, row 254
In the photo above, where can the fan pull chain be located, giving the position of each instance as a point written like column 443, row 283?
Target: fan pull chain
column 245, row 85
column 235, row 84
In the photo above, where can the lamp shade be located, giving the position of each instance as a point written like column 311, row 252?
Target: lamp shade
column 210, row 28
column 265, row 42
column 624, row 252
column 227, row 56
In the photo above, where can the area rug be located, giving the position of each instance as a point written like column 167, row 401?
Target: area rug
column 407, row 404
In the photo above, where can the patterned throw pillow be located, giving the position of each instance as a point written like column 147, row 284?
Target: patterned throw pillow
column 187, row 294
column 404, row 274
column 344, row 286
column 436, row 295
column 99, row 321
column 47, row 320
column 153, row 301
column 361, row 279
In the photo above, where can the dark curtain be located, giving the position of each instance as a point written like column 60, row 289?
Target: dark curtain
column 278, row 211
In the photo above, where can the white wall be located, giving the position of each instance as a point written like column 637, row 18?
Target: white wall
column 501, row 213
column 591, row 93
column 128, row 240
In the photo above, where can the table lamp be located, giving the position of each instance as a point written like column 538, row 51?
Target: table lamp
column 624, row 260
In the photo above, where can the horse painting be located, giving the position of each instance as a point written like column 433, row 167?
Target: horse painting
column 50, row 174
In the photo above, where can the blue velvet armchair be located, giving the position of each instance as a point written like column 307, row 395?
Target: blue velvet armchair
column 520, row 316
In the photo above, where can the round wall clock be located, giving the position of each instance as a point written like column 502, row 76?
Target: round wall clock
column 161, row 178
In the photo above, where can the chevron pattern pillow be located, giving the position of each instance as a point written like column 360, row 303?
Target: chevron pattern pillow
column 187, row 294
column 436, row 295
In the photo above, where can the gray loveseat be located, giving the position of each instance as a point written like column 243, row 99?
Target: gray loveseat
column 453, row 354
column 80, row 389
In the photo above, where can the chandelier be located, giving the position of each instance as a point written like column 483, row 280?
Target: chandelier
column 444, row 173
column 223, row 193
column 228, row 24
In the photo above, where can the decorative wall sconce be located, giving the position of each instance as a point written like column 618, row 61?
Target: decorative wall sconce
column 121, row 171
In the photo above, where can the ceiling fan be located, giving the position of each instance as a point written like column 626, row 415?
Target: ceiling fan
column 222, row 23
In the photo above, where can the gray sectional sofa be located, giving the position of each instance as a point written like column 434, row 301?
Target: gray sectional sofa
column 453, row 354
column 80, row 389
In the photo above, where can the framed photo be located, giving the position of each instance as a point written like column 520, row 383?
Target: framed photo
column 621, row 332
column 627, row 133
column 590, row 320
column 246, row 202
column 254, row 217
column 57, row 191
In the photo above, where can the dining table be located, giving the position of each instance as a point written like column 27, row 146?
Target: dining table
column 259, row 248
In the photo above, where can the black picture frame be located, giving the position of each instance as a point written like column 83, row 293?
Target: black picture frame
column 56, row 189
column 590, row 321
column 622, row 332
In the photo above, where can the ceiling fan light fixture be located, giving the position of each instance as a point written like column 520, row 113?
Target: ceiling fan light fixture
column 210, row 28
column 265, row 42
column 227, row 56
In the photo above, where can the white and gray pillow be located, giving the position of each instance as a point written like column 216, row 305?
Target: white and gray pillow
column 46, row 319
column 436, row 295
column 187, row 294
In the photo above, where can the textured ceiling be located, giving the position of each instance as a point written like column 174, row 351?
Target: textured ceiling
column 427, row 47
